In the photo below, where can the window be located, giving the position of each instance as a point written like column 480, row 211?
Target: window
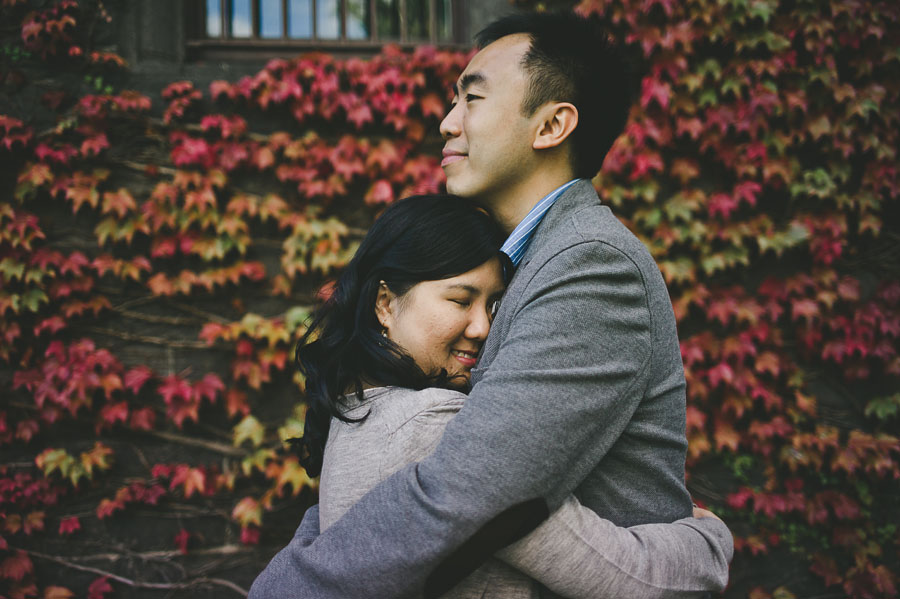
column 354, row 23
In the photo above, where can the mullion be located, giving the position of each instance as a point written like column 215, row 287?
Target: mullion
column 432, row 21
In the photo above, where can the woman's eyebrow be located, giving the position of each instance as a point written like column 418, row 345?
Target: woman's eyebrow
column 464, row 287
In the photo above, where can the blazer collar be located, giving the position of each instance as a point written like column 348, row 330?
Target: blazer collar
column 580, row 194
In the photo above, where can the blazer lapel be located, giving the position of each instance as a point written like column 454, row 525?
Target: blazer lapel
column 580, row 194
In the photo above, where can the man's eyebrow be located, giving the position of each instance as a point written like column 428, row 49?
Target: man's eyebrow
column 468, row 80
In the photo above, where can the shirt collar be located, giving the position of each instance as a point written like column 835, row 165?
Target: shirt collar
column 518, row 241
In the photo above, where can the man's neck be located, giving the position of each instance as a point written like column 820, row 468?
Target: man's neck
column 515, row 204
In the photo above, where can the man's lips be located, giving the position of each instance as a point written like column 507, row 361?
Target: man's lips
column 451, row 156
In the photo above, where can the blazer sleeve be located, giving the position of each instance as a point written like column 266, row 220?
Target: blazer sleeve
column 577, row 554
column 562, row 388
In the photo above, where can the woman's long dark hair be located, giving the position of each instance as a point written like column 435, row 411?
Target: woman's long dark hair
column 420, row 238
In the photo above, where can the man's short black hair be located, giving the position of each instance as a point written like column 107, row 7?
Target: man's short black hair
column 571, row 59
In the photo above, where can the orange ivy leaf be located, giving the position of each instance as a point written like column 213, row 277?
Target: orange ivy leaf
column 191, row 479
column 120, row 202
column 33, row 521
column 247, row 511
column 57, row 592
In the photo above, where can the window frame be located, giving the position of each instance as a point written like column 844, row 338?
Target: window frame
column 200, row 46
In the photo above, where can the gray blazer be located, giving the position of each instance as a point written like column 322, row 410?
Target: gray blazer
column 580, row 389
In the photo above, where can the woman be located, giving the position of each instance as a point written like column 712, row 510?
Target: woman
column 386, row 359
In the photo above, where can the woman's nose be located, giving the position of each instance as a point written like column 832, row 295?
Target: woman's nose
column 479, row 325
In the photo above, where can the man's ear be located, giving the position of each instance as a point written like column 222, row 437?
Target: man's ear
column 383, row 305
column 557, row 121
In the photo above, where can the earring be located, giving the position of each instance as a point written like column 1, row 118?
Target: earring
column 384, row 332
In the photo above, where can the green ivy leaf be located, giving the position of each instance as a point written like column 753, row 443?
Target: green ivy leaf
column 883, row 408
column 249, row 428
column 33, row 298
column 11, row 269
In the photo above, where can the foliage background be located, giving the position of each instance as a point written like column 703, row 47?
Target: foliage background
column 160, row 252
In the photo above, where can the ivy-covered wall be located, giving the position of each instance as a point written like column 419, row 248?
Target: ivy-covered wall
column 160, row 251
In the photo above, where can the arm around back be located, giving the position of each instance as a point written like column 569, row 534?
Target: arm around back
column 579, row 555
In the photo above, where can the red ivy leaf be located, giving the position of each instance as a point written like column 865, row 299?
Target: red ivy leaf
column 16, row 566
column 99, row 588
column 181, row 541
column 381, row 192
column 108, row 507
column 249, row 535
column 143, row 419
column 69, row 525
column 208, row 387
column 112, row 413
column 174, row 387
column 653, row 90
column 136, row 377
column 94, row 145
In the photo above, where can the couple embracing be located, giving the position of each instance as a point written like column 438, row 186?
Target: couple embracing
column 561, row 472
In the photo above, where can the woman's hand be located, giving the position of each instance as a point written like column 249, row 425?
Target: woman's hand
column 699, row 512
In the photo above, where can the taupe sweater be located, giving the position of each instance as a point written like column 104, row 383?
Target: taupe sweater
column 575, row 553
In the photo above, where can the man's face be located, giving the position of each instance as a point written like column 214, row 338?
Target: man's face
column 488, row 141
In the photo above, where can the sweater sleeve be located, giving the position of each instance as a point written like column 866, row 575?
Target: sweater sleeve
column 577, row 554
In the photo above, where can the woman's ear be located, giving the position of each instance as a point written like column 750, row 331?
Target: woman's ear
column 383, row 300
column 557, row 121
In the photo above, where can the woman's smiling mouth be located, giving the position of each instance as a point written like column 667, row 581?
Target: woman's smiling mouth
column 466, row 358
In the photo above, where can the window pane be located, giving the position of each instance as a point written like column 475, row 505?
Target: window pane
column 388, row 16
column 240, row 18
column 270, row 18
column 417, row 19
column 213, row 18
column 444, row 20
column 300, row 19
column 327, row 23
column 358, row 19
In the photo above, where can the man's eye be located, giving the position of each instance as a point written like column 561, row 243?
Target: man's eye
column 463, row 303
column 470, row 97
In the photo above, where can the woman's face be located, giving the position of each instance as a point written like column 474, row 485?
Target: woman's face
column 442, row 324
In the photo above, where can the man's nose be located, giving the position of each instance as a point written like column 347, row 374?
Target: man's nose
column 450, row 126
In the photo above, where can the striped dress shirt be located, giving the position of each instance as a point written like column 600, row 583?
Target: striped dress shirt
column 517, row 242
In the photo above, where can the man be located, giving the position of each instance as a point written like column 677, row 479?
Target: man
column 579, row 387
